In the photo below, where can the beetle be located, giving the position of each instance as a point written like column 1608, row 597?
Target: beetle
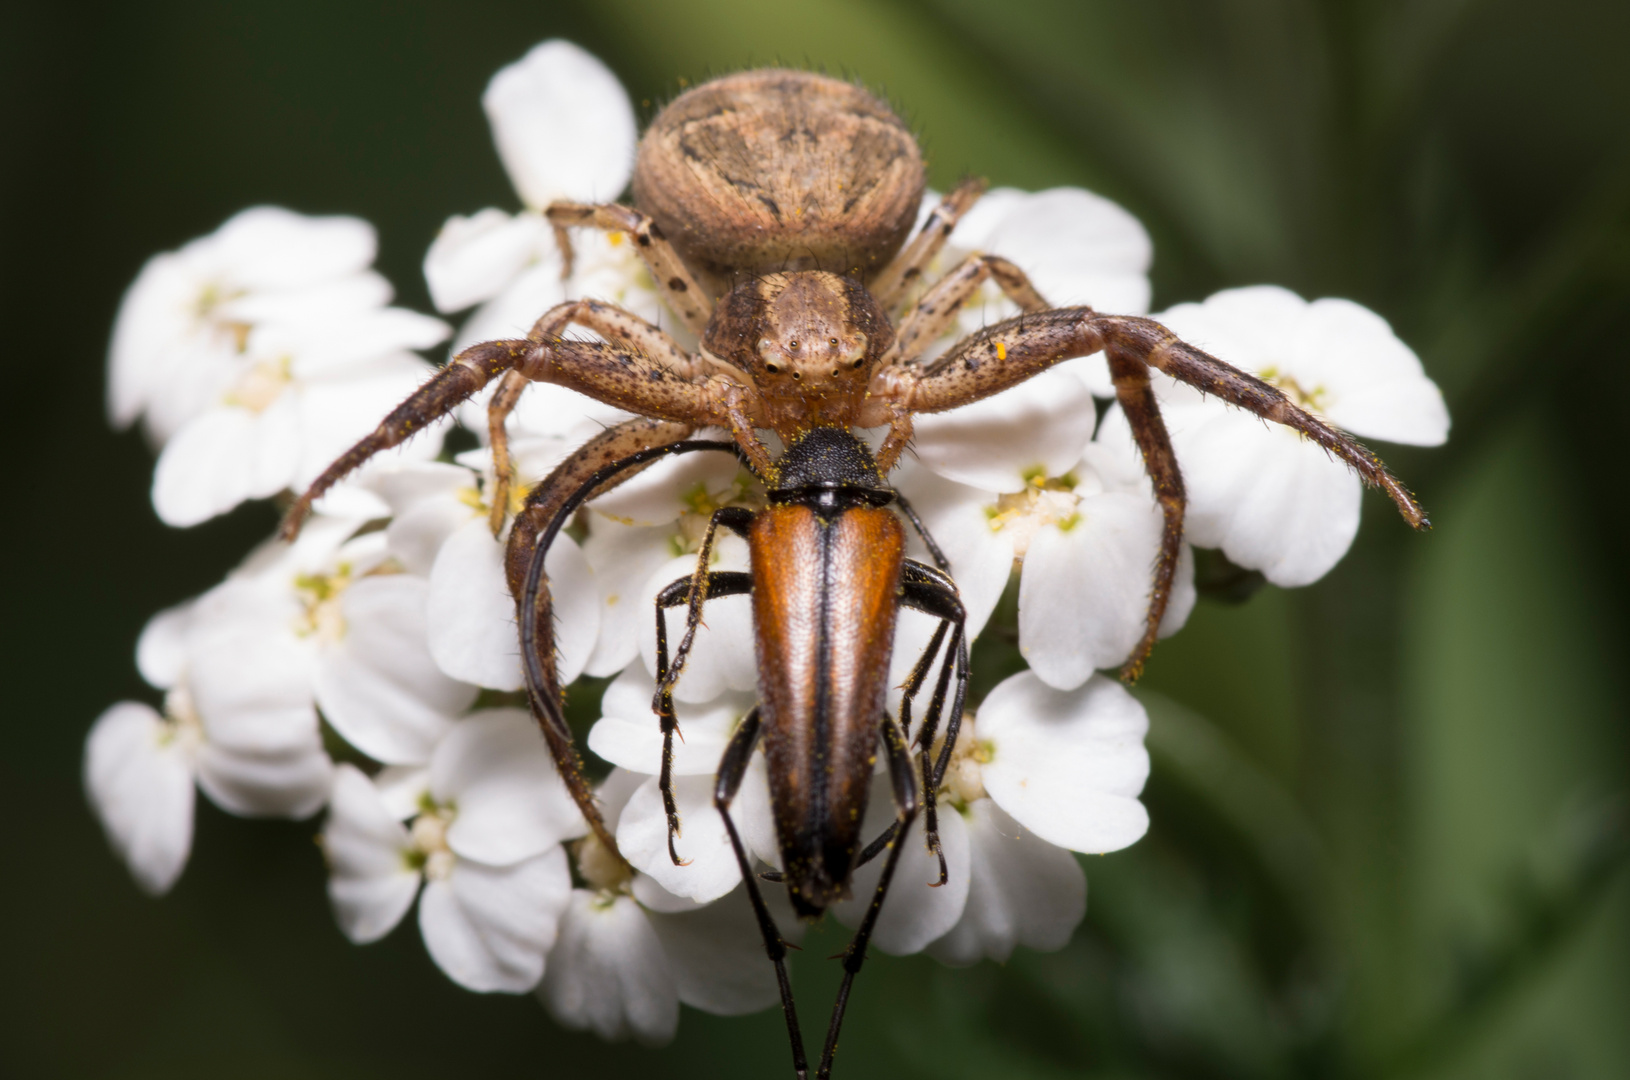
column 773, row 210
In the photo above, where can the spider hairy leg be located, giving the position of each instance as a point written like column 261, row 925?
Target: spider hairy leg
column 621, row 328
column 1137, row 399
column 679, row 287
column 598, row 466
column 938, row 308
column 896, row 279
column 1006, row 354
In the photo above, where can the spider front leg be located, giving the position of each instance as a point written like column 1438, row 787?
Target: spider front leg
column 1010, row 352
column 621, row 328
column 678, row 285
column 607, row 460
column 662, row 384
column 895, row 280
column 937, row 309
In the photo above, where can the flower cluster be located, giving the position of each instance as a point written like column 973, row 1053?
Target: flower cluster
column 368, row 669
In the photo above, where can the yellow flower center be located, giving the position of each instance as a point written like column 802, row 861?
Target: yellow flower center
column 1044, row 500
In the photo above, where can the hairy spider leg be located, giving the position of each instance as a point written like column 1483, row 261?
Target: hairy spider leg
column 894, row 282
column 619, row 327
column 1010, row 352
column 607, row 460
column 732, row 768
column 937, row 310
column 1137, row 400
column 714, row 584
column 679, row 288
column 658, row 385
column 904, row 785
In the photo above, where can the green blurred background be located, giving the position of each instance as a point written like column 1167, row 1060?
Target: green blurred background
column 1388, row 810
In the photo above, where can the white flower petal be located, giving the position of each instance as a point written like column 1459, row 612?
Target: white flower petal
column 1077, row 248
column 624, row 558
column 609, row 972
column 489, row 928
column 290, row 784
column 274, row 248
column 1040, row 424
column 955, row 515
column 710, row 869
column 473, row 635
column 717, row 957
column 1084, row 590
column 161, row 651
column 139, row 781
column 371, row 884
column 563, row 125
column 1067, row 765
column 474, row 258
column 917, row 909
column 403, row 788
column 378, row 685
column 207, row 468
column 1022, row 891
column 495, row 768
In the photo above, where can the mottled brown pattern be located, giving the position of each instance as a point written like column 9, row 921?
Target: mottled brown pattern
column 779, row 170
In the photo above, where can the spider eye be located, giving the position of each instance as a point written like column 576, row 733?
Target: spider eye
column 797, row 375
column 834, row 343
column 792, row 345
column 773, row 369
column 858, row 362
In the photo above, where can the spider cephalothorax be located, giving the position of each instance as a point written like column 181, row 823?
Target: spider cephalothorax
column 772, row 209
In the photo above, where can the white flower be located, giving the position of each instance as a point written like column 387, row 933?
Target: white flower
column 1039, row 771
column 327, row 622
column 487, row 820
column 1016, row 476
column 630, row 951
column 257, row 354
column 185, row 320
column 563, row 125
column 1271, row 499
column 140, row 766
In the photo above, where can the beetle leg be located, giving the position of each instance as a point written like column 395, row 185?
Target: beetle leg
column 604, row 462
column 935, row 594
column 676, row 593
column 938, row 308
column 610, row 322
column 679, row 287
column 904, row 785
column 896, row 279
column 732, row 768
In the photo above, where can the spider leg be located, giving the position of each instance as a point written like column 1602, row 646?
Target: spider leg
column 607, row 460
column 895, row 280
column 617, row 326
column 905, row 805
column 937, row 309
column 732, row 768
column 662, row 384
column 679, row 287
column 1137, row 399
column 1010, row 352
column 677, row 593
